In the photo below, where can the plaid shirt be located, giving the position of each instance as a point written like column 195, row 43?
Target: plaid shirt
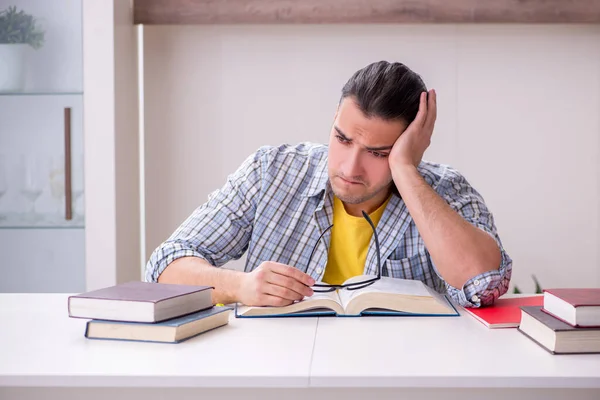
column 279, row 201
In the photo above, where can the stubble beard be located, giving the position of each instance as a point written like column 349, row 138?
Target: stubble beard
column 359, row 198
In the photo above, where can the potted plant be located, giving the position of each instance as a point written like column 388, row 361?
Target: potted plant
column 538, row 287
column 17, row 31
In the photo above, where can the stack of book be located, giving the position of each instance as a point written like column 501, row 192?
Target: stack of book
column 568, row 322
column 152, row 312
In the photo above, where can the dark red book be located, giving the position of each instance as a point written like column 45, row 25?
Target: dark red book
column 505, row 313
column 578, row 307
column 140, row 302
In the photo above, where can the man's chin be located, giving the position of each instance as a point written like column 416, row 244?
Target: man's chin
column 349, row 197
column 351, row 200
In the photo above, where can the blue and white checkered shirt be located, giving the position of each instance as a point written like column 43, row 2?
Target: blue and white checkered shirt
column 279, row 201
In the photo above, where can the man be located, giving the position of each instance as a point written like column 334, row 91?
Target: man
column 432, row 225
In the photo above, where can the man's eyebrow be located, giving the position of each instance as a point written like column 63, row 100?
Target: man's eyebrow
column 380, row 148
column 339, row 131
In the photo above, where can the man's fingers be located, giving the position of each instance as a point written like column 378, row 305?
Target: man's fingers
column 275, row 301
column 431, row 110
column 280, row 291
column 290, row 283
column 292, row 272
column 422, row 113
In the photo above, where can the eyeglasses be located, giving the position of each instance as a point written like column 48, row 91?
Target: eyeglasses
column 324, row 287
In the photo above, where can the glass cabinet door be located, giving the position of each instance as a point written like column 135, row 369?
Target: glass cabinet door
column 42, row 218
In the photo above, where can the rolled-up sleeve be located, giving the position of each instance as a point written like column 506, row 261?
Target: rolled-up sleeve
column 485, row 288
column 219, row 230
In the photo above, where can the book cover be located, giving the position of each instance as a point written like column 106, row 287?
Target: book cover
column 576, row 306
column 575, row 325
column 504, row 313
column 140, row 302
column 174, row 330
column 553, row 323
column 141, row 291
column 577, row 297
column 539, row 343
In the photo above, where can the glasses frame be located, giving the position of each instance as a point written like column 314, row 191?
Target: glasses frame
column 325, row 287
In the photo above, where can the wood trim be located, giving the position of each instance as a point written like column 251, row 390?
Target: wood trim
column 364, row 11
column 68, row 186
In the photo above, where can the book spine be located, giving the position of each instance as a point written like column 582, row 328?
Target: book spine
column 536, row 342
column 87, row 327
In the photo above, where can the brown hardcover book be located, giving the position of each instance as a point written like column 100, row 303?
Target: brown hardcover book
column 557, row 336
column 140, row 302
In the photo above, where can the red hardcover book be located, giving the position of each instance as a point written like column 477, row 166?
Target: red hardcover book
column 579, row 307
column 505, row 313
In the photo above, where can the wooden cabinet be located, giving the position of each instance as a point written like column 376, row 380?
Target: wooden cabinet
column 67, row 151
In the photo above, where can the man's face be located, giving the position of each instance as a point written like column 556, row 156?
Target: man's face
column 359, row 171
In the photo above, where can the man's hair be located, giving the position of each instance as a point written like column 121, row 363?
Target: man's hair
column 386, row 90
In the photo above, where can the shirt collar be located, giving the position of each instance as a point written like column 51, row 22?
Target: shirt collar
column 320, row 180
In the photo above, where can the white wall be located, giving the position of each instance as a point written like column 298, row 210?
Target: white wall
column 127, row 177
column 518, row 116
column 111, row 137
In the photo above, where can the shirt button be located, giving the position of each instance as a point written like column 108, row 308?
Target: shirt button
column 474, row 298
column 476, row 282
column 319, row 270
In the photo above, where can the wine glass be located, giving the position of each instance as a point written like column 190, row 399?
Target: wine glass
column 77, row 185
column 3, row 180
column 57, row 184
column 32, row 182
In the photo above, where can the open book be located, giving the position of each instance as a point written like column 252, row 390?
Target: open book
column 387, row 296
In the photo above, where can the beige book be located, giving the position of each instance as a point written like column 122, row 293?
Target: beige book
column 387, row 296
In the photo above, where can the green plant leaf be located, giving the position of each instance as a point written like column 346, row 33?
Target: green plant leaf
column 516, row 290
column 17, row 27
column 538, row 287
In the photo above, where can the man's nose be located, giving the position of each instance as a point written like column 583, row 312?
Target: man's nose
column 352, row 165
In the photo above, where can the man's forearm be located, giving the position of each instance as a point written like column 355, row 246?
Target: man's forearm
column 459, row 250
column 196, row 271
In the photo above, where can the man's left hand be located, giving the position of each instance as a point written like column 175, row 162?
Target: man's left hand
column 412, row 143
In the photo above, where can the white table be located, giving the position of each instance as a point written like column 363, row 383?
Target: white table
column 43, row 354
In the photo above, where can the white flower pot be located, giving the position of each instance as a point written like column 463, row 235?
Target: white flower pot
column 12, row 67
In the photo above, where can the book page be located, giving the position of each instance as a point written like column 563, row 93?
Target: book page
column 329, row 300
column 384, row 285
column 394, row 294
column 320, row 296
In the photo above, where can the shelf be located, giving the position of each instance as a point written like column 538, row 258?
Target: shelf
column 43, row 221
column 188, row 12
column 22, row 94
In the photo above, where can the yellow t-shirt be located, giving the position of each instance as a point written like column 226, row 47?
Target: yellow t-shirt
column 350, row 238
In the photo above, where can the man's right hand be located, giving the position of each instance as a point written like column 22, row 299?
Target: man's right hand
column 274, row 284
